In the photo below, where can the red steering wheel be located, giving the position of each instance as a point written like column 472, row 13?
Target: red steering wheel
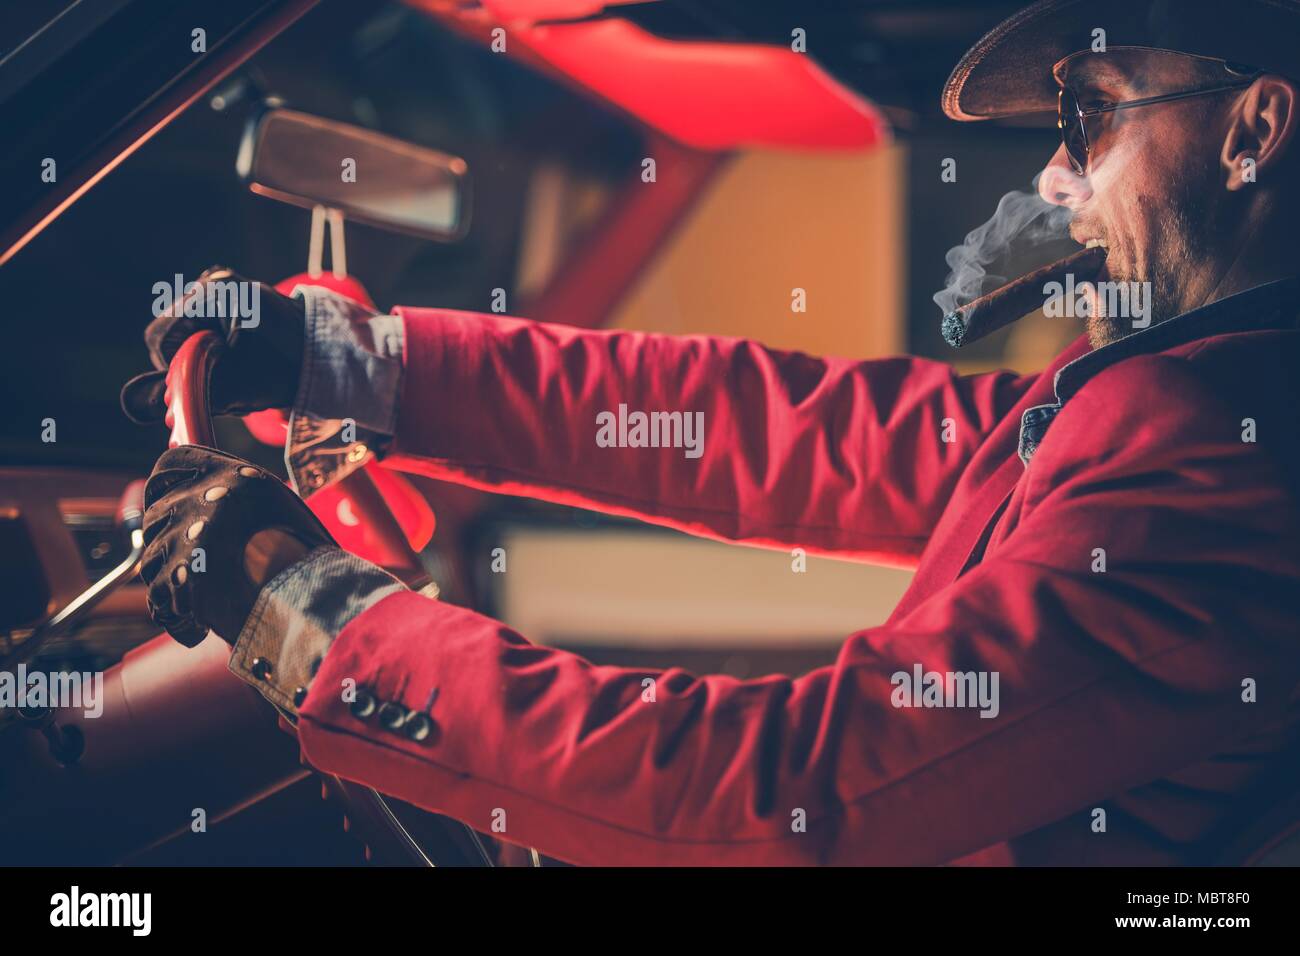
column 186, row 394
column 190, row 420
column 395, row 829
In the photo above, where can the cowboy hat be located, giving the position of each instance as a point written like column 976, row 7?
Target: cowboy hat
column 1009, row 71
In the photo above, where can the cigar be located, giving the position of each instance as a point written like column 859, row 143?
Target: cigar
column 1018, row 298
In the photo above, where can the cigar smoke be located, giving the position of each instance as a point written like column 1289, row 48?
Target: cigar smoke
column 1022, row 219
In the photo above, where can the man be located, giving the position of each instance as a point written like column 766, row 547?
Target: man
column 1111, row 547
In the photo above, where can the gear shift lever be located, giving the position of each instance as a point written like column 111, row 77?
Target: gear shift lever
column 130, row 520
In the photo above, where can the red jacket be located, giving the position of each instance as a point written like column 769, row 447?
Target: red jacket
column 1160, row 690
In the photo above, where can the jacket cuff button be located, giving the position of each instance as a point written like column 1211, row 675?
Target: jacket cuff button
column 418, row 727
column 299, row 696
column 261, row 668
column 363, row 706
column 392, row 716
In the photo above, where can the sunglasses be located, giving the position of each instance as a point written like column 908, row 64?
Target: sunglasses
column 1073, row 119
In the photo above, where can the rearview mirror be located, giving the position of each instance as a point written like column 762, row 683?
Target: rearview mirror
column 372, row 178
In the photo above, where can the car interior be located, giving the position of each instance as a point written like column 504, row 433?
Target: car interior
column 526, row 175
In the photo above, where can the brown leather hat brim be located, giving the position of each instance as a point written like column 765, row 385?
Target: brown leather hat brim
column 1009, row 71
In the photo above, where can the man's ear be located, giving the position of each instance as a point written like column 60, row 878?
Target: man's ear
column 1261, row 131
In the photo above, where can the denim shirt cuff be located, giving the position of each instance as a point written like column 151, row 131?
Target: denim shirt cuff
column 346, row 408
column 296, row 617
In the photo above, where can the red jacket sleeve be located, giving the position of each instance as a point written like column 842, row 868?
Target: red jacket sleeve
column 1106, row 680
column 830, row 455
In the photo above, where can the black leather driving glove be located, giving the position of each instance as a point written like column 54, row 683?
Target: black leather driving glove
column 202, row 508
column 263, row 360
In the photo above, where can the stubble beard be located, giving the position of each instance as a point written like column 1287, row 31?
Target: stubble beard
column 1176, row 251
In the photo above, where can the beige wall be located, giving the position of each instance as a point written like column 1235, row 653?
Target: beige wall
column 830, row 224
column 650, row 589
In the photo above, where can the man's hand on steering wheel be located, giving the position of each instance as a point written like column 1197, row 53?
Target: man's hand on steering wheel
column 261, row 365
column 217, row 530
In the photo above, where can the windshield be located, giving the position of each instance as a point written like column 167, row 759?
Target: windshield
column 23, row 21
column 78, row 296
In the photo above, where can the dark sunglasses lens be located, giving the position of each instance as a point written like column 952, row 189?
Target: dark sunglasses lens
column 1073, row 133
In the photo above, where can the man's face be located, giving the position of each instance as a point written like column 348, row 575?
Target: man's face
column 1150, row 193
